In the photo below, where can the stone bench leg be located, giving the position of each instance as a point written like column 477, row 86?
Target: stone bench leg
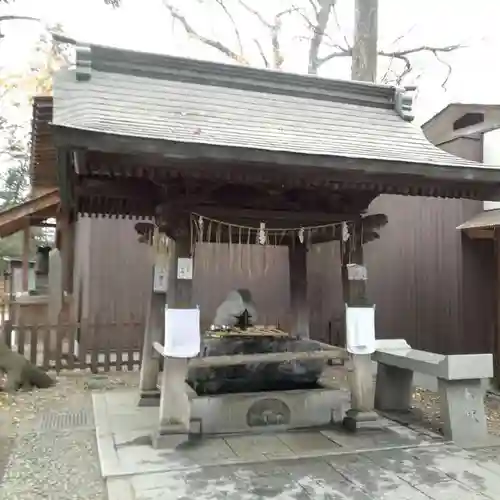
column 462, row 411
column 175, row 409
column 393, row 388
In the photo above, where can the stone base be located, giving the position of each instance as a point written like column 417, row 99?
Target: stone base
column 463, row 412
column 393, row 388
column 255, row 412
column 170, row 437
column 149, row 398
column 356, row 420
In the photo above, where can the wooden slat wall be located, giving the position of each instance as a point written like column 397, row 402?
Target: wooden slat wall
column 430, row 285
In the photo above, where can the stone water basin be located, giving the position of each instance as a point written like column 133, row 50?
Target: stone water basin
column 258, row 376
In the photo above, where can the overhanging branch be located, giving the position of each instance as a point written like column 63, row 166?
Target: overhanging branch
column 403, row 56
column 177, row 16
column 275, row 31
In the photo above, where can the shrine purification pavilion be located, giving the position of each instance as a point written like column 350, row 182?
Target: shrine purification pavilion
column 209, row 152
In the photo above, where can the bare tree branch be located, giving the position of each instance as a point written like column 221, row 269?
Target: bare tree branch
column 233, row 23
column 398, row 54
column 437, row 55
column 203, row 39
column 275, row 31
column 314, row 7
column 339, row 28
column 322, row 18
column 262, row 53
column 255, row 13
column 403, row 56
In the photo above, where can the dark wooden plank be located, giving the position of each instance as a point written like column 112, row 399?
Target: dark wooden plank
column 59, row 334
column 83, row 345
column 107, row 347
column 119, row 349
column 34, row 344
column 20, row 336
column 130, row 330
column 7, row 332
column 45, row 332
column 70, row 336
column 94, row 358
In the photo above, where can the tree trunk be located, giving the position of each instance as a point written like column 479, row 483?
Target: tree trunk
column 20, row 372
column 364, row 50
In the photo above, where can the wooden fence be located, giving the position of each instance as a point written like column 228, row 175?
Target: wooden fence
column 76, row 346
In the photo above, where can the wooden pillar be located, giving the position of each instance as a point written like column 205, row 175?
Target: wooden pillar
column 66, row 245
column 496, row 341
column 299, row 304
column 174, row 403
column 26, row 258
column 153, row 332
column 355, row 294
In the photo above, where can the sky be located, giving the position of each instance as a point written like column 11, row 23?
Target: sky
column 145, row 25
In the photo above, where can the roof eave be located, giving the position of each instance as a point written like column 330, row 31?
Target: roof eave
column 486, row 178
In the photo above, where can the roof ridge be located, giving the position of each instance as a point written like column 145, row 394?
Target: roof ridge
column 114, row 60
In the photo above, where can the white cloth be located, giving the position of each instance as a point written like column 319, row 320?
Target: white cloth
column 360, row 330
column 182, row 333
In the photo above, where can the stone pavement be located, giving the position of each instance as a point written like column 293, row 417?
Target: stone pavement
column 395, row 462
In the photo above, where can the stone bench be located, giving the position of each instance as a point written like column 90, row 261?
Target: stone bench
column 461, row 386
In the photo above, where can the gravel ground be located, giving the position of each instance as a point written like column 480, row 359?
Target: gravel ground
column 426, row 404
column 57, row 462
column 52, row 456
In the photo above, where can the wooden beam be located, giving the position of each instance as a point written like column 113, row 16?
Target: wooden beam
column 268, row 357
column 174, row 403
column 42, row 224
column 299, row 304
column 355, row 294
column 441, row 179
column 112, row 187
column 26, row 257
column 276, row 218
column 496, row 337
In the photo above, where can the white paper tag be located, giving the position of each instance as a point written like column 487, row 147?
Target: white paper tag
column 184, row 268
column 360, row 330
column 182, row 333
column 160, row 280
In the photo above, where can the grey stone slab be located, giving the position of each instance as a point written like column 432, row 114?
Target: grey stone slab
column 348, row 441
column 320, row 480
column 120, row 489
column 259, row 447
column 386, row 437
column 379, row 483
column 449, row 490
column 459, row 465
column 307, row 442
column 185, row 484
column 406, row 467
column 208, row 451
column 145, row 459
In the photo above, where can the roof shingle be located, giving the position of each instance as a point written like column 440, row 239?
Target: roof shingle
column 181, row 100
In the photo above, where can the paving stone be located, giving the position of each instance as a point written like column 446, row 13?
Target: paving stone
column 307, row 442
column 462, row 468
column 449, row 490
column 406, row 468
column 379, row 483
column 320, row 480
column 259, row 447
column 208, row 451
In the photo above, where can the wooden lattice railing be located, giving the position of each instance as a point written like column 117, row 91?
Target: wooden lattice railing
column 78, row 346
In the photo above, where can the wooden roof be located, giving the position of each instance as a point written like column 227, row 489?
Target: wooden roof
column 201, row 103
column 121, row 113
column 38, row 208
column 43, row 167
